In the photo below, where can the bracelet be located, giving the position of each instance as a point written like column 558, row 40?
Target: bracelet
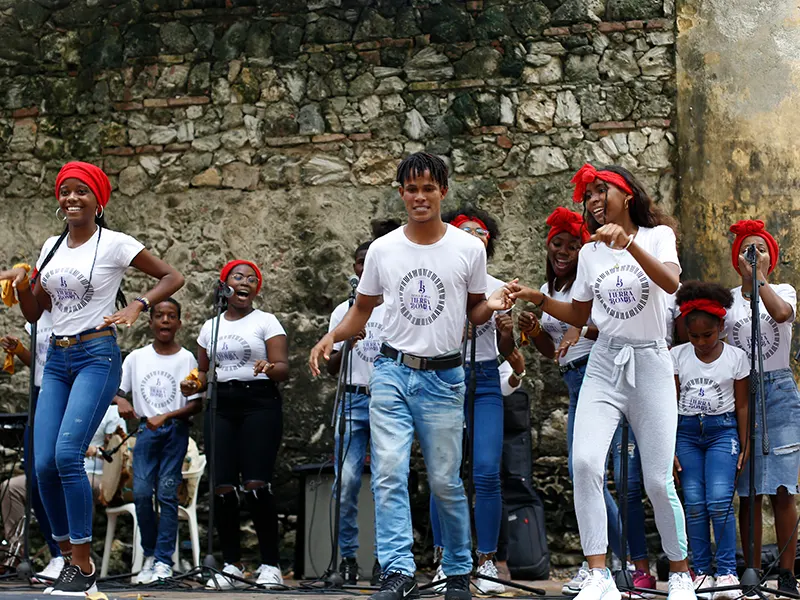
column 584, row 329
column 630, row 241
column 540, row 303
column 519, row 376
column 144, row 301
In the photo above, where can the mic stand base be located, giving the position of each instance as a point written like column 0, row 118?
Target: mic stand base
column 25, row 570
column 209, row 562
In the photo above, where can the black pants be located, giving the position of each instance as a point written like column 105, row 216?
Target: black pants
column 248, row 430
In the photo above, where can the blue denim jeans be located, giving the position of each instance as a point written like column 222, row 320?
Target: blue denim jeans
column 403, row 401
column 36, row 499
column 78, row 385
column 157, row 464
column 707, row 447
column 637, row 543
column 356, row 441
column 487, row 453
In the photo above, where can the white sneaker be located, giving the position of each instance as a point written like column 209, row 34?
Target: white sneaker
column 726, row 581
column 681, row 586
column 145, row 576
column 51, row 572
column 484, row 585
column 703, row 581
column 162, row 571
column 599, row 585
column 219, row 581
column 439, row 576
column 573, row 586
column 270, row 577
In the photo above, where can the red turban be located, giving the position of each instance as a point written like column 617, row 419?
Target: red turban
column 226, row 270
column 92, row 176
column 563, row 220
column 461, row 219
column 709, row 306
column 587, row 174
column 746, row 228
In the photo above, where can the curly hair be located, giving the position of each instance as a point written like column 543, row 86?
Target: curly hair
column 472, row 212
column 703, row 290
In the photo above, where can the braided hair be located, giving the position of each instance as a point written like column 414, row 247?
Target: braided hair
column 417, row 163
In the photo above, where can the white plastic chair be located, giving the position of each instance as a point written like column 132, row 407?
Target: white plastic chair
column 189, row 513
column 138, row 554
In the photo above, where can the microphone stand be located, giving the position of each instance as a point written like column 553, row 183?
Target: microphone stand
column 25, row 568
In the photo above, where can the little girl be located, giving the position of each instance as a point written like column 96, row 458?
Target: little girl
column 712, row 381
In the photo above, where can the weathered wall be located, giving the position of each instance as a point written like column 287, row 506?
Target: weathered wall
column 271, row 130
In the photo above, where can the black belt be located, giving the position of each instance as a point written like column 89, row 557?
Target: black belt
column 357, row 389
column 255, row 384
column 421, row 363
column 575, row 364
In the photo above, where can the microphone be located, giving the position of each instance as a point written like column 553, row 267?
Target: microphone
column 750, row 253
column 353, row 281
column 224, row 290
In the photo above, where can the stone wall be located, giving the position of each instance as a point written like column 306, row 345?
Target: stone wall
column 271, row 130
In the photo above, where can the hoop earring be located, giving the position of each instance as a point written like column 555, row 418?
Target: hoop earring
column 60, row 214
column 102, row 210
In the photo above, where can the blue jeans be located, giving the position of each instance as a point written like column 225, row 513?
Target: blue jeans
column 78, row 385
column 707, row 447
column 157, row 464
column 356, row 441
column 636, row 537
column 36, row 499
column 487, row 453
column 403, row 401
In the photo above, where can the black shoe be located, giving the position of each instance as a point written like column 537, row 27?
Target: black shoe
column 377, row 572
column 396, row 586
column 787, row 582
column 457, row 588
column 348, row 569
column 72, row 582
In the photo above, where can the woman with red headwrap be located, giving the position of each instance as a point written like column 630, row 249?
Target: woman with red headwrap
column 776, row 472
column 252, row 358
column 622, row 282
column 79, row 274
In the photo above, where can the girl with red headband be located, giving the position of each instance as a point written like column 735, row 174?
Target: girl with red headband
column 487, row 439
column 776, row 472
column 252, row 358
column 79, row 274
column 712, row 380
column 622, row 282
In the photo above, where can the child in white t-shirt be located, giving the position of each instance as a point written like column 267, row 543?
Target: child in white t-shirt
column 712, row 382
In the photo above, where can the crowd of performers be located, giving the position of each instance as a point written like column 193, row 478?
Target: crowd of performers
column 630, row 340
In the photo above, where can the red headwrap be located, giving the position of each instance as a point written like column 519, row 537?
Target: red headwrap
column 461, row 219
column 92, row 176
column 712, row 307
column 746, row 228
column 587, row 174
column 226, row 270
column 563, row 220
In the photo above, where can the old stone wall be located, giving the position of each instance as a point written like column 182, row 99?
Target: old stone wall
column 271, row 130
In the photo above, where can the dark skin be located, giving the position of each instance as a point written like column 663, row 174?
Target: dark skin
column 10, row 342
column 422, row 197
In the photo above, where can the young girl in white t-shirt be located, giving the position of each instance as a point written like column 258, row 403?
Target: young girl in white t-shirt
column 711, row 378
column 625, row 274
column 79, row 275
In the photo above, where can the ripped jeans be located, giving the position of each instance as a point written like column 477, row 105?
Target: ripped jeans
column 157, row 461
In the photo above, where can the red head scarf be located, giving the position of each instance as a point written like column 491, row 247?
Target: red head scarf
column 92, row 176
column 461, row 219
column 563, row 220
column 226, row 270
column 743, row 229
column 587, row 174
column 709, row 306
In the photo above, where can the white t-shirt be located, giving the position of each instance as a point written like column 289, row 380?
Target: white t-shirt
column 241, row 344
column 79, row 303
column 556, row 329
column 776, row 338
column 364, row 352
column 155, row 380
column 506, row 370
column 486, row 334
column 44, row 328
column 111, row 420
column 707, row 388
column 626, row 303
column 424, row 288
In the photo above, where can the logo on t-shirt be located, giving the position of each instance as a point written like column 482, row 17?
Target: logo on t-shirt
column 421, row 296
column 553, row 327
column 158, row 388
column 702, row 395
column 233, row 352
column 770, row 337
column 370, row 346
column 68, row 288
column 622, row 291
column 42, row 345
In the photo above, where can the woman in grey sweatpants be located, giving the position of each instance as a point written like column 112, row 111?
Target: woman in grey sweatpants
column 625, row 274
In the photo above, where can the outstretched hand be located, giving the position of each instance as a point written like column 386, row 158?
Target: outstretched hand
column 322, row 349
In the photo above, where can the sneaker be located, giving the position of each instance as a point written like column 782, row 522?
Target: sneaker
column 162, row 571
column 220, row 582
column 376, row 573
column 573, row 586
column 439, row 576
column 458, row 588
column 705, row 582
column 681, row 586
column 146, row 575
column 270, row 578
column 727, row 581
column 396, row 586
column 599, row 585
column 485, row 586
column 51, row 572
column 72, row 582
column 642, row 581
column 787, row 582
column 348, row 569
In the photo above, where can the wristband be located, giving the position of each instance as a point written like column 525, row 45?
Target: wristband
column 630, row 241
column 519, row 376
column 584, row 329
column 144, row 302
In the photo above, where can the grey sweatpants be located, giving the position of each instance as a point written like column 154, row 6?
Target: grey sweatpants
column 635, row 379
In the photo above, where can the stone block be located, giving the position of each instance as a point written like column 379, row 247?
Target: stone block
column 619, row 64
column 428, row 65
column 568, row 111
column 322, row 169
column 240, row 176
column 133, row 181
column 546, row 160
column 657, row 62
column 536, row 112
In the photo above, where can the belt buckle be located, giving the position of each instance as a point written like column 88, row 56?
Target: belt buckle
column 64, row 342
column 415, row 362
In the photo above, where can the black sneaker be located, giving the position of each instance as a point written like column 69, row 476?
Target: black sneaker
column 457, row 588
column 377, row 572
column 72, row 582
column 787, row 582
column 348, row 569
column 396, row 586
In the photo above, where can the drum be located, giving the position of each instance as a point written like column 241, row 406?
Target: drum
column 116, row 483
